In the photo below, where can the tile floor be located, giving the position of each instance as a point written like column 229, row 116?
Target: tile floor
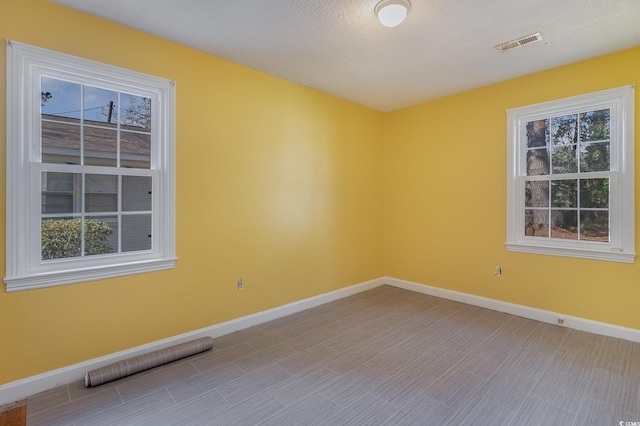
column 383, row 357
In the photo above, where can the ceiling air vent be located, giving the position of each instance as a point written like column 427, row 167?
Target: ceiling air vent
column 532, row 38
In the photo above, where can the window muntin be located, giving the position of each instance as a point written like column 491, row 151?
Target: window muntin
column 570, row 177
column 83, row 125
column 565, row 197
column 90, row 170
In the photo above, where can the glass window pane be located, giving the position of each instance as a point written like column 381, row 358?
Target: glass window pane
column 564, row 130
column 135, row 111
column 59, row 99
column 101, row 235
column 536, row 193
column 594, row 226
column 594, row 157
column 537, row 133
column 135, row 150
column 136, row 232
column 595, row 125
column 60, row 192
column 101, row 193
column 536, row 223
column 564, row 193
column 564, row 159
column 100, row 147
column 61, row 238
column 594, row 193
column 136, row 193
column 564, row 224
column 100, row 105
column 60, row 143
column 538, row 162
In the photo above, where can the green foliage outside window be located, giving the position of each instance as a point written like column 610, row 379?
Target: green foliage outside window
column 61, row 238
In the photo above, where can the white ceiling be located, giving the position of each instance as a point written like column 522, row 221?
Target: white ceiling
column 338, row 46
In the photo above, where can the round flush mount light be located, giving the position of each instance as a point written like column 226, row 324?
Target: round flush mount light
column 391, row 13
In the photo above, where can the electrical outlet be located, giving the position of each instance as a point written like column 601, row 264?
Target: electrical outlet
column 240, row 283
column 498, row 271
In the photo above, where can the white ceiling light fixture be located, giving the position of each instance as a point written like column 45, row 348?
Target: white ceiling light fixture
column 391, row 13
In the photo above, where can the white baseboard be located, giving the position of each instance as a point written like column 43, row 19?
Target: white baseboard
column 20, row 389
column 520, row 310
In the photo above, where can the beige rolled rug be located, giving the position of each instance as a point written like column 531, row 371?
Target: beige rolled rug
column 140, row 363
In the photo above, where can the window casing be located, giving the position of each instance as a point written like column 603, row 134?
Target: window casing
column 90, row 170
column 570, row 183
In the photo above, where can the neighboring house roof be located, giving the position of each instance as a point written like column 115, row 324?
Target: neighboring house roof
column 64, row 133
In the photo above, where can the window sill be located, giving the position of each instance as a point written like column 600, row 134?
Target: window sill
column 607, row 255
column 43, row 280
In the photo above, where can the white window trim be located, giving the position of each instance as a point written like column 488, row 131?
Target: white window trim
column 22, row 271
column 621, row 247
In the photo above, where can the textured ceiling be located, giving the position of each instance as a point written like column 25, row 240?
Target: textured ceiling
column 338, row 46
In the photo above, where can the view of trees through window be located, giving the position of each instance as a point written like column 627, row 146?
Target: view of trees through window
column 567, row 182
column 103, row 208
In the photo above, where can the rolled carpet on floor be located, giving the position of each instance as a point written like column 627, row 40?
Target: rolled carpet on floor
column 140, row 363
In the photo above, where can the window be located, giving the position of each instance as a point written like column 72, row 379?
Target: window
column 90, row 170
column 570, row 187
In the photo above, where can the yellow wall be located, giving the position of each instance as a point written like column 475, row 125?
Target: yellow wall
column 276, row 183
column 445, row 199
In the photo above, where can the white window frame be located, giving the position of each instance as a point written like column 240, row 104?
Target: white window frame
column 24, row 267
column 621, row 246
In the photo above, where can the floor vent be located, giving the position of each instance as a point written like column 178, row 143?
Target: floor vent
column 532, row 38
